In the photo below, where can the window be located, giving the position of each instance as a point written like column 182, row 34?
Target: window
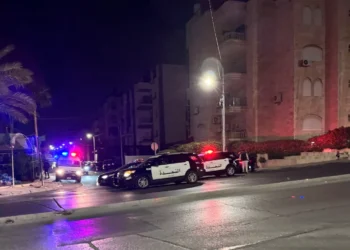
column 307, row 15
column 312, row 53
column 318, row 17
column 312, row 122
column 307, row 87
column 318, row 88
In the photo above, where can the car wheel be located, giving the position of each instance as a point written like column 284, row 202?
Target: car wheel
column 191, row 177
column 142, row 182
column 230, row 170
column 58, row 179
column 78, row 180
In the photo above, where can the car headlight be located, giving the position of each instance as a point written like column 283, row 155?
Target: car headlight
column 104, row 177
column 128, row 173
column 86, row 168
column 60, row 171
column 79, row 172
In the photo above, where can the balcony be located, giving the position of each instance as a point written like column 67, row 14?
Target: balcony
column 237, row 135
column 233, row 47
column 145, row 103
column 145, row 140
column 231, row 14
column 233, row 105
column 145, row 123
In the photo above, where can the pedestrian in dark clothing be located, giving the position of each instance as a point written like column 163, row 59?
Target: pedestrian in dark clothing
column 46, row 169
column 338, row 155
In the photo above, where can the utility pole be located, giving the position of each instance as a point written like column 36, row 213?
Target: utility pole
column 37, row 146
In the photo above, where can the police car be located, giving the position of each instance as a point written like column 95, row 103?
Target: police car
column 219, row 163
column 166, row 168
column 68, row 169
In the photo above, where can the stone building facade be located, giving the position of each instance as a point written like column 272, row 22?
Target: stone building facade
column 286, row 68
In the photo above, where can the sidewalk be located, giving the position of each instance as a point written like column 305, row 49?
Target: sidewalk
column 35, row 187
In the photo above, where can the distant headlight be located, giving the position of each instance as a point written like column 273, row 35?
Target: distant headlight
column 104, row 177
column 128, row 173
column 79, row 172
column 60, row 171
column 86, row 168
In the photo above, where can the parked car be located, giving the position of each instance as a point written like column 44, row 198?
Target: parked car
column 107, row 179
column 219, row 163
column 161, row 169
column 109, row 165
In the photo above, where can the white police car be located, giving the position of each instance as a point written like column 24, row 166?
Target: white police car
column 174, row 167
column 218, row 163
column 68, row 169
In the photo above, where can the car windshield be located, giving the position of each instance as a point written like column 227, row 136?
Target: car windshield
column 68, row 163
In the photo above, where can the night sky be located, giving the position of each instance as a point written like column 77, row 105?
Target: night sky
column 86, row 50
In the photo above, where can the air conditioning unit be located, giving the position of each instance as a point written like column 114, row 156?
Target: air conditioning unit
column 196, row 110
column 277, row 99
column 216, row 120
column 305, row 63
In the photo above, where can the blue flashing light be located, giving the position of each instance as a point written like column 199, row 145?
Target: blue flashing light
column 64, row 153
column 56, row 156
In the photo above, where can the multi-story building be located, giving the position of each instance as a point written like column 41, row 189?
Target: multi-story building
column 143, row 117
column 170, row 83
column 286, row 67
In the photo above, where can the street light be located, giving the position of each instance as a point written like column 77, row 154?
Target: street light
column 89, row 136
column 209, row 81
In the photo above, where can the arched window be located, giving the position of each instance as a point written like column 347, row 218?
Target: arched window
column 307, row 16
column 312, row 123
column 307, row 87
column 317, row 17
column 318, row 88
column 312, row 53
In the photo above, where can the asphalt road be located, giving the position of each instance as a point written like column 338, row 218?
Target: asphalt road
column 300, row 218
column 72, row 196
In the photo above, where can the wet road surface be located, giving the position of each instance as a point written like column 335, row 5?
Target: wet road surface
column 300, row 218
column 71, row 196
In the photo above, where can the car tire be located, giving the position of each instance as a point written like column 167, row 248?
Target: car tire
column 230, row 170
column 58, row 179
column 78, row 180
column 191, row 177
column 142, row 182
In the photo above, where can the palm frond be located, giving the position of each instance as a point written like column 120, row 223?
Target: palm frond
column 10, row 66
column 13, row 113
column 20, row 101
column 5, row 51
column 16, row 77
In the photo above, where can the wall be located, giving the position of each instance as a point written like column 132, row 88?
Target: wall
column 275, row 69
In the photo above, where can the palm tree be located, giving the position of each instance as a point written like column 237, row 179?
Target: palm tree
column 13, row 78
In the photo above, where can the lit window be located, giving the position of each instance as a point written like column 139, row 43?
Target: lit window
column 318, row 17
column 312, row 53
column 313, row 123
column 318, row 88
column 307, row 87
column 307, row 15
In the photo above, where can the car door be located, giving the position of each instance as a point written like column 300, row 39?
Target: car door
column 209, row 163
column 179, row 165
column 161, row 169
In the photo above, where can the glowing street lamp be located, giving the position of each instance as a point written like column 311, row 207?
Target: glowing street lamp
column 52, row 147
column 208, row 81
column 70, row 143
column 89, row 136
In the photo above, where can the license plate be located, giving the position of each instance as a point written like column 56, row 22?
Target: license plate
column 69, row 178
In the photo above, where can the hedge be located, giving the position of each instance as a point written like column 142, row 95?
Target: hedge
column 335, row 139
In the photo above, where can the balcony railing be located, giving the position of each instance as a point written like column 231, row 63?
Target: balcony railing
column 237, row 135
column 233, row 104
column 234, row 35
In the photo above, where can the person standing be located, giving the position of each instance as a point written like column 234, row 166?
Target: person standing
column 244, row 159
column 46, row 169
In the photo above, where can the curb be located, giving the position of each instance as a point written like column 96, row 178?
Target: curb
column 115, row 207
column 27, row 189
column 303, row 165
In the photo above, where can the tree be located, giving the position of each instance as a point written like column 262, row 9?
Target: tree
column 14, row 102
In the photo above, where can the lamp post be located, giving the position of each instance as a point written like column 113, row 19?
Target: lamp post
column 92, row 136
column 208, row 82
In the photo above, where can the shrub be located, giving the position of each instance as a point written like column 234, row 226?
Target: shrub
column 262, row 160
column 335, row 139
column 199, row 147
